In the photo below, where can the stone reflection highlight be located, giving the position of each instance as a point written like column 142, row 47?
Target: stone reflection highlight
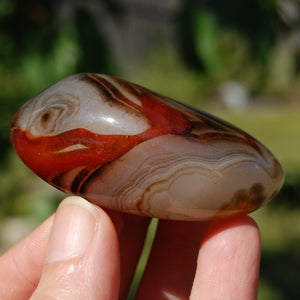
column 124, row 147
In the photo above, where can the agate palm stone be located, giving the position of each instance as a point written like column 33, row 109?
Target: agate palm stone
column 126, row 148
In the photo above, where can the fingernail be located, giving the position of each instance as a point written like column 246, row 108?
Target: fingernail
column 72, row 230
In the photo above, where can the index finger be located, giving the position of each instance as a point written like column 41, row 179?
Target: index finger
column 21, row 266
column 228, row 261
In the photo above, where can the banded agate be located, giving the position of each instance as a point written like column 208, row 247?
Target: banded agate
column 126, row 148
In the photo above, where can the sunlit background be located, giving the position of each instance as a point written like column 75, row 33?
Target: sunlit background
column 237, row 59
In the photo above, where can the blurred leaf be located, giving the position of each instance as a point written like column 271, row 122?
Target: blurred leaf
column 206, row 36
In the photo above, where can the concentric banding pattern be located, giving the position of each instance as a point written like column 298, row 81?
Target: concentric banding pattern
column 124, row 147
column 80, row 103
column 155, row 179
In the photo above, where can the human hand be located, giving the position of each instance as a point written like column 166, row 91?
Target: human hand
column 82, row 253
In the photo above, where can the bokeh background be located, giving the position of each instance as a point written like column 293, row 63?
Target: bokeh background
column 237, row 59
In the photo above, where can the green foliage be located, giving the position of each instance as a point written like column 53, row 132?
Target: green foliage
column 23, row 194
column 217, row 41
column 241, row 40
column 206, row 40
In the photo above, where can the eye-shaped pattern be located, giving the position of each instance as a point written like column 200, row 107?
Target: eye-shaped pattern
column 124, row 147
column 54, row 114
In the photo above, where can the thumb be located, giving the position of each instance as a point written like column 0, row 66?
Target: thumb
column 82, row 260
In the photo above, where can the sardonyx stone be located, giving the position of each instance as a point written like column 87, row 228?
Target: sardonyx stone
column 126, row 148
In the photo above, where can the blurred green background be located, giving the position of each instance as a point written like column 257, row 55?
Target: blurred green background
column 237, row 59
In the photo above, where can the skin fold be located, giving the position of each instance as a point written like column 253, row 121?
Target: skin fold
column 200, row 260
column 139, row 155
